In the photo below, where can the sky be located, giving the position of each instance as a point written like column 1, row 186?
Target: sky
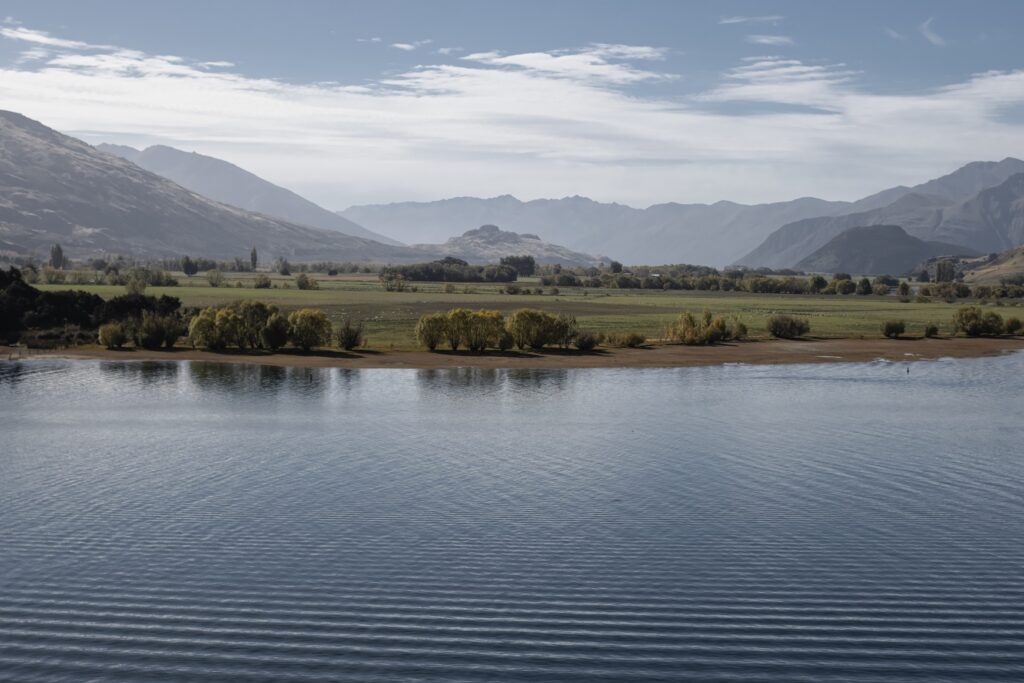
column 635, row 102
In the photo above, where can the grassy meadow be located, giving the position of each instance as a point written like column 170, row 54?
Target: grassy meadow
column 390, row 317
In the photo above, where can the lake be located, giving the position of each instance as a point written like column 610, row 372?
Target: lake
column 228, row 522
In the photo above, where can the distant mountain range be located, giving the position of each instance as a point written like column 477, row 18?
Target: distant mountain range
column 55, row 188
column 226, row 183
column 488, row 243
column 877, row 250
column 978, row 206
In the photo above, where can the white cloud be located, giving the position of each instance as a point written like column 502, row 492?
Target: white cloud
column 892, row 33
column 375, row 39
column 448, row 50
column 930, row 35
column 217, row 64
column 409, row 47
column 535, row 124
column 761, row 39
column 769, row 19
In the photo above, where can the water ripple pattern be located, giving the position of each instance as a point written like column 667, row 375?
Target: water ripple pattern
column 219, row 522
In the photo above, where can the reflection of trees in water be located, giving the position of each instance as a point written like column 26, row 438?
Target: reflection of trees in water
column 144, row 372
column 454, row 380
column 254, row 378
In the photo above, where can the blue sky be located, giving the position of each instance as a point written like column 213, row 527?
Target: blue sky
column 636, row 102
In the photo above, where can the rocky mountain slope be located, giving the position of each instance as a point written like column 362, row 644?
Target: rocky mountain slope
column 876, row 250
column 224, row 182
column 488, row 244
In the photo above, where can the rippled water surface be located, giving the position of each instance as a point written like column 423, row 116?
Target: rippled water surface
column 206, row 522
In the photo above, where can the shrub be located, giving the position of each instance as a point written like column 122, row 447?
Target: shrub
column 845, row 286
column 587, row 340
column 202, row 330
column 707, row 329
column 276, row 332
column 262, row 282
column 627, row 340
column 113, row 335
column 349, row 334
column 931, row 330
column 215, row 277
column 253, row 318
column 974, row 322
column 893, row 328
column 564, row 330
column 309, row 328
column 788, row 327
column 431, row 329
column 303, row 281
column 1013, row 326
column 512, row 289
column 881, row 289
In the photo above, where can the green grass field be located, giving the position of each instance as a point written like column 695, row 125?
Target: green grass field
column 390, row 317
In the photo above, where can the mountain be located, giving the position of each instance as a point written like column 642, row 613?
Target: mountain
column 54, row 188
column 876, row 250
column 488, row 244
column 695, row 233
column 973, row 207
column 226, row 183
column 1005, row 267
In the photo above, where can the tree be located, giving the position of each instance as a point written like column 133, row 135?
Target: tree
column 524, row 265
column 945, row 271
column 530, row 328
column 56, row 257
column 484, row 329
column 253, row 258
column 816, row 283
column 864, row 287
column 903, row 289
column 923, row 276
column 458, row 327
column 615, row 267
column 276, row 332
column 215, row 278
column 262, row 282
column 189, row 267
column 431, row 329
column 303, row 281
column 310, row 328
column 253, row 317
column 202, row 330
column 974, row 322
column 136, row 281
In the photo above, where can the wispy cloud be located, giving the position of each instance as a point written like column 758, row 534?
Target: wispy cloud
column 929, row 33
column 761, row 39
column 409, row 47
column 375, row 39
column 550, row 123
column 448, row 50
column 767, row 19
column 892, row 33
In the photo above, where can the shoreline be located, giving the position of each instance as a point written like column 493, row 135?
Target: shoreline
column 759, row 352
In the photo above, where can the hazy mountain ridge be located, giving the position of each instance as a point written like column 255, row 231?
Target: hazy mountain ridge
column 227, row 183
column 877, row 250
column 965, row 207
column 488, row 243
column 55, row 188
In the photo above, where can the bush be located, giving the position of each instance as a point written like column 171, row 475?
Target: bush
column 309, row 328
column 1013, row 326
column 627, row 340
column 262, row 282
column 276, row 332
column 974, row 322
column 931, row 330
column 893, row 328
column 303, row 281
column 349, row 334
column 431, row 329
column 113, row 335
column 484, row 329
column 457, row 326
column 788, row 327
column 215, row 278
column 587, row 340
column 707, row 329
